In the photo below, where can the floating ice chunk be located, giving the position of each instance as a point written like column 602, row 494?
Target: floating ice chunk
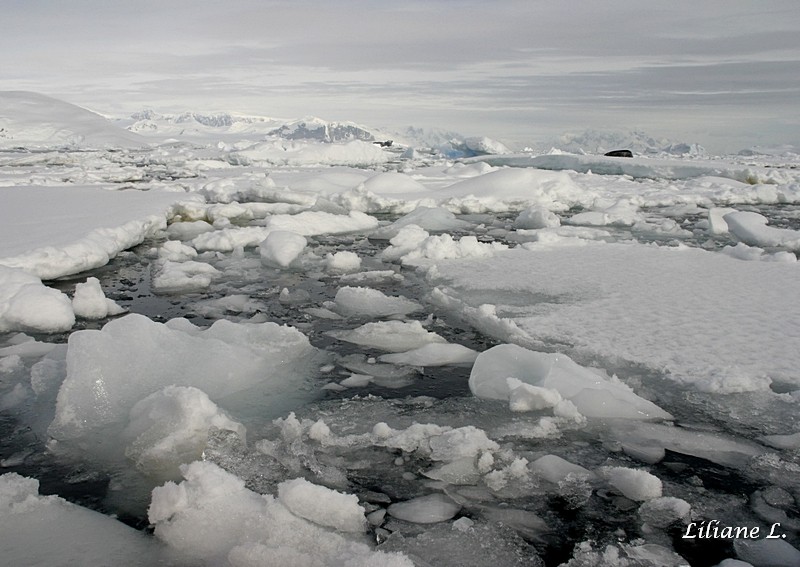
column 751, row 228
column 537, row 217
column 459, row 472
column 176, row 251
column 187, row 230
column 733, row 563
column 459, row 443
column 438, row 443
column 593, row 395
column 110, row 370
column 716, row 220
column 428, row 218
column 715, row 447
column 344, row 262
column 170, row 427
column 635, row 484
column 555, row 469
column 371, row 303
column 392, row 336
column 406, row 240
column 212, row 518
column 524, row 397
column 281, row 248
column 443, row 247
column 433, row 354
column 43, row 530
column 89, row 301
column 622, row 213
column 237, row 303
column 229, row 239
column 28, row 305
column 661, row 512
column 767, row 552
column 373, row 277
column 782, row 441
column 625, row 555
column 322, row 506
column 180, row 277
column 428, row 509
column 357, row 381
column 525, row 522
column 508, row 188
column 311, row 223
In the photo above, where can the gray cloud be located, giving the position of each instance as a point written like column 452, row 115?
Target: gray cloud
column 517, row 70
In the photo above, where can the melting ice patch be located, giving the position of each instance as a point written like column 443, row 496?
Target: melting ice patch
column 705, row 319
column 593, row 395
column 116, row 377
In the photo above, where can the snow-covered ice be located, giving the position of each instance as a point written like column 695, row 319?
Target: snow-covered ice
column 338, row 353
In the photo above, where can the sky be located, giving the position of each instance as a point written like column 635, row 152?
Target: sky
column 722, row 73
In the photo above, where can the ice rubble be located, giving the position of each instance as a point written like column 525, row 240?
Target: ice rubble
column 281, row 247
column 144, row 395
column 90, row 302
column 27, row 305
column 117, row 391
column 48, row 530
column 593, row 395
column 370, row 303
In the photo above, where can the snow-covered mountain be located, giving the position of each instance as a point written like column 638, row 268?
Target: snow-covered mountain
column 313, row 128
column 597, row 142
column 35, row 120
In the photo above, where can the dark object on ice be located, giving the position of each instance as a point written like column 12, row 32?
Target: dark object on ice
column 386, row 144
column 619, row 153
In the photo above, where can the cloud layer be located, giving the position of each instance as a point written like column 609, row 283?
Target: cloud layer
column 723, row 73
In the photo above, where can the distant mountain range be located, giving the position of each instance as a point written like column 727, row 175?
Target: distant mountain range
column 34, row 120
column 640, row 143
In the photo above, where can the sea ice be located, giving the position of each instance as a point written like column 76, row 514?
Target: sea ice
column 176, row 251
column 311, row 223
column 751, row 228
column 28, row 305
column 323, row 506
column 392, row 336
column 537, row 217
column 593, row 395
column 555, row 469
column 428, row 509
column 109, row 371
column 211, row 517
column 677, row 310
column 434, row 354
column 428, row 218
column 370, row 303
column 170, row 427
column 48, row 530
column 182, row 277
column 636, row 484
column 89, row 301
column 281, row 247
column 344, row 262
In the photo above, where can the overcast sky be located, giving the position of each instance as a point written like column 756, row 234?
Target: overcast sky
column 723, row 73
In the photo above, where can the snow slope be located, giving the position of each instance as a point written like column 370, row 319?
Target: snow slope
column 34, row 120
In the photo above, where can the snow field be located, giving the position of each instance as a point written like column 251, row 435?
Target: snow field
column 638, row 268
